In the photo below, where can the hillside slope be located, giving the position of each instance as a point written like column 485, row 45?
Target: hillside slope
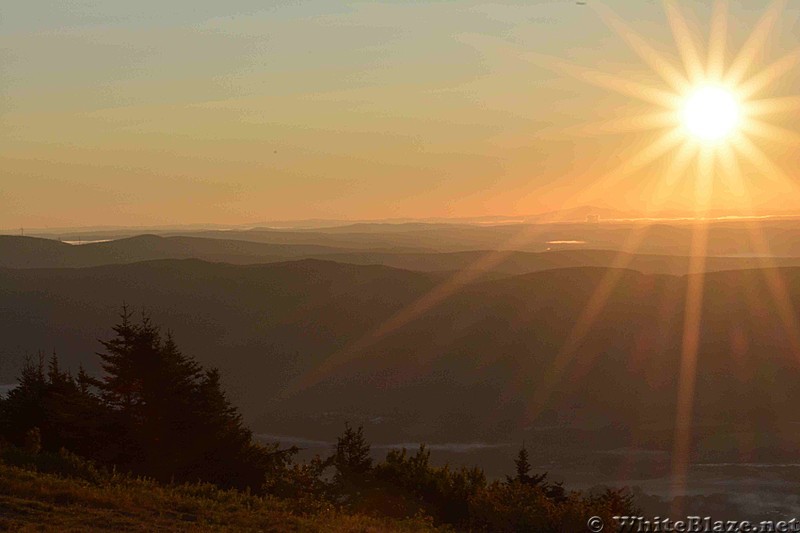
column 31, row 501
column 306, row 345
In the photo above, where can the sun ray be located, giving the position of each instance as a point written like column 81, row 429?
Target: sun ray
column 418, row 307
column 768, row 74
column 684, row 41
column 406, row 315
column 599, row 297
column 775, row 282
column 731, row 169
column 755, row 42
column 643, row 122
column 758, row 128
column 653, row 151
column 711, row 144
column 756, row 156
column 674, row 172
column 660, row 65
column 772, row 276
column 687, row 376
column 717, row 40
column 582, row 327
column 604, row 80
column 671, row 138
column 770, row 106
column 667, row 184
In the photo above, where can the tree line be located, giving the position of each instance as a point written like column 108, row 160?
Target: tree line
column 155, row 412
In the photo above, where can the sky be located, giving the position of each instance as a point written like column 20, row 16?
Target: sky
column 157, row 113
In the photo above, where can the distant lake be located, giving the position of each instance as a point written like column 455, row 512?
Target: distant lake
column 78, row 243
column 762, row 490
column 454, row 447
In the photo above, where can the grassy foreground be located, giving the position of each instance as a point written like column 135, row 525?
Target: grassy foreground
column 35, row 501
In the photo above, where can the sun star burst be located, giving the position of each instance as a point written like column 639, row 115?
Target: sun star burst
column 710, row 110
column 714, row 103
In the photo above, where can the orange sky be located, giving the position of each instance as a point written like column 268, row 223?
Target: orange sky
column 146, row 114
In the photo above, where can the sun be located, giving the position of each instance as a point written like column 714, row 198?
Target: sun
column 711, row 119
column 708, row 121
column 711, row 114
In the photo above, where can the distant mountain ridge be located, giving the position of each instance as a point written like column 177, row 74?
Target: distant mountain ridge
column 575, row 214
column 29, row 252
column 730, row 238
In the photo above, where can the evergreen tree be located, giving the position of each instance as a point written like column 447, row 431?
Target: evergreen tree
column 118, row 386
column 170, row 383
column 522, row 464
column 523, row 468
column 175, row 419
column 222, row 447
column 23, row 408
column 84, row 381
column 352, row 461
column 64, row 414
column 73, row 416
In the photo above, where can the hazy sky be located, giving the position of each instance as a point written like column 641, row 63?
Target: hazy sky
column 146, row 113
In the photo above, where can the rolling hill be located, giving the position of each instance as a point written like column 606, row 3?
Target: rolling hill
column 779, row 238
column 306, row 345
column 28, row 252
column 32, row 252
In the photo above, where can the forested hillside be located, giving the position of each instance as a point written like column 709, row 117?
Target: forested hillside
column 156, row 413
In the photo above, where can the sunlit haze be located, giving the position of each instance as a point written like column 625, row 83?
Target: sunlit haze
column 149, row 113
